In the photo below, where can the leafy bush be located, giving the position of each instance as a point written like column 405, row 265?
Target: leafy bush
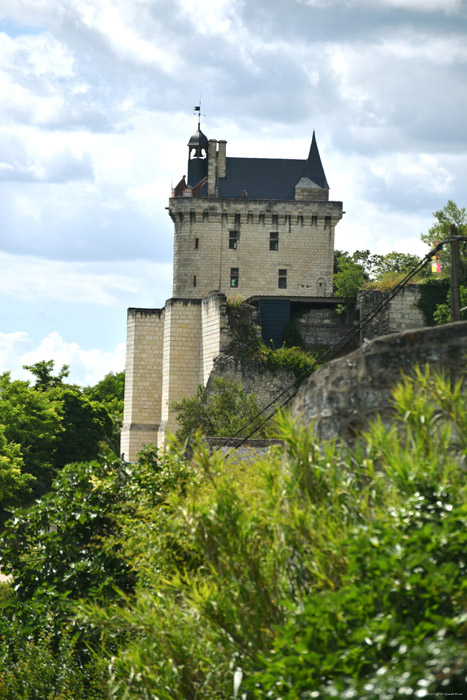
column 222, row 412
column 300, row 362
column 318, row 571
column 433, row 292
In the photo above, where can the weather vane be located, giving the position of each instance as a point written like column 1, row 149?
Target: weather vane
column 197, row 110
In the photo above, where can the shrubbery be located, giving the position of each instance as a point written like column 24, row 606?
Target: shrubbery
column 318, row 572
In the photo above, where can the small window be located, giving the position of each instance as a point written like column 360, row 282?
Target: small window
column 192, row 215
column 300, row 219
column 274, row 240
column 327, row 222
column 275, row 220
column 234, row 276
column 233, row 240
column 194, row 280
column 282, row 279
column 237, row 219
column 196, row 243
column 314, row 220
column 261, row 218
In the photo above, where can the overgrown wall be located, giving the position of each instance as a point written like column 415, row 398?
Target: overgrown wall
column 345, row 394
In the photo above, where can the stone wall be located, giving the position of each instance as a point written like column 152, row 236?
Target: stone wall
column 254, row 378
column 181, row 369
column 321, row 327
column 203, row 259
column 401, row 314
column 143, row 379
column 215, row 331
column 345, row 394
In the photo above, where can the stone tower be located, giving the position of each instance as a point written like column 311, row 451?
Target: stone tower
column 259, row 227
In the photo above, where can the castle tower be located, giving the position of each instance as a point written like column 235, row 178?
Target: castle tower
column 258, row 227
column 252, row 225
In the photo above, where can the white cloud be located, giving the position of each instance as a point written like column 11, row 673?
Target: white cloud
column 446, row 6
column 31, row 279
column 86, row 366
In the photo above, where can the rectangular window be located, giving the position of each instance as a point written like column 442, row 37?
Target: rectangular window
column 327, row 222
column 314, row 220
column 234, row 276
column 275, row 220
column 274, row 240
column 237, row 219
column 196, row 243
column 194, row 280
column 233, row 240
column 282, row 279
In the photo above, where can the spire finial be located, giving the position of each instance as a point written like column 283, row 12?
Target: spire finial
column 197, row 110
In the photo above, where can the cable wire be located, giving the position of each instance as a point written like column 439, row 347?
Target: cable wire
column 337, row 347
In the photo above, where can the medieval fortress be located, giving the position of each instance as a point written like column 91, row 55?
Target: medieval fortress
column 262, row 228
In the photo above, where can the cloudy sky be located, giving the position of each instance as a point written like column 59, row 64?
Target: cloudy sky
column 96, row 111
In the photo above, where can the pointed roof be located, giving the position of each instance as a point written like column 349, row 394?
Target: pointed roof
column 314, row 169
column 198, row 143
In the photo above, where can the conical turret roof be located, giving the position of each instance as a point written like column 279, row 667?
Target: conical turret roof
column 314, row 170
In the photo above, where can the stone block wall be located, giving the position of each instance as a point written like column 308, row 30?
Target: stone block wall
column 203, row 259
column 215, row 331
column 321, row 326
column 143, row 379
column 254, row 378
column 345, row 394
column 181, row 369
column 401, row 314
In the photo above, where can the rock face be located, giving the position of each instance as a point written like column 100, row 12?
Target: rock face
column 344, row 395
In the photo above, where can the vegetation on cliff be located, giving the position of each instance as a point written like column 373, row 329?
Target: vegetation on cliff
column 318, row 572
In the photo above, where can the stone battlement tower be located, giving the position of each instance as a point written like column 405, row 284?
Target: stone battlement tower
column 259, row 227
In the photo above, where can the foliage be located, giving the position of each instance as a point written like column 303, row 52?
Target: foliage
column 58, row 551
column 110, row 392
column 85, row 425
column 441, row 229
column 32, row 421
column 298, row 361
column 13, row 483
column 50, row 424
column 442, row 313
column 318, row 571
column 222, row 412
column 395, row 263
column 44, row 670
column 43, row 372
column 292, row 335
column 433, row 293
column 348, row 278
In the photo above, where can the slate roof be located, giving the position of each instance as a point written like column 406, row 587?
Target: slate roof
column 262, row 178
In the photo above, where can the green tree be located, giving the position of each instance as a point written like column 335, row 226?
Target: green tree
column 33, row 421
column 221, row 412
column 14, row 484
column 86, row 424
column 43, row 372
column 395, row 263
column 349, row 277
column 109, row 392
column 441, row 229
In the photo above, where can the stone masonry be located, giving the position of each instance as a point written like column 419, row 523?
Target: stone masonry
column 345, row 394
column 242, row 226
